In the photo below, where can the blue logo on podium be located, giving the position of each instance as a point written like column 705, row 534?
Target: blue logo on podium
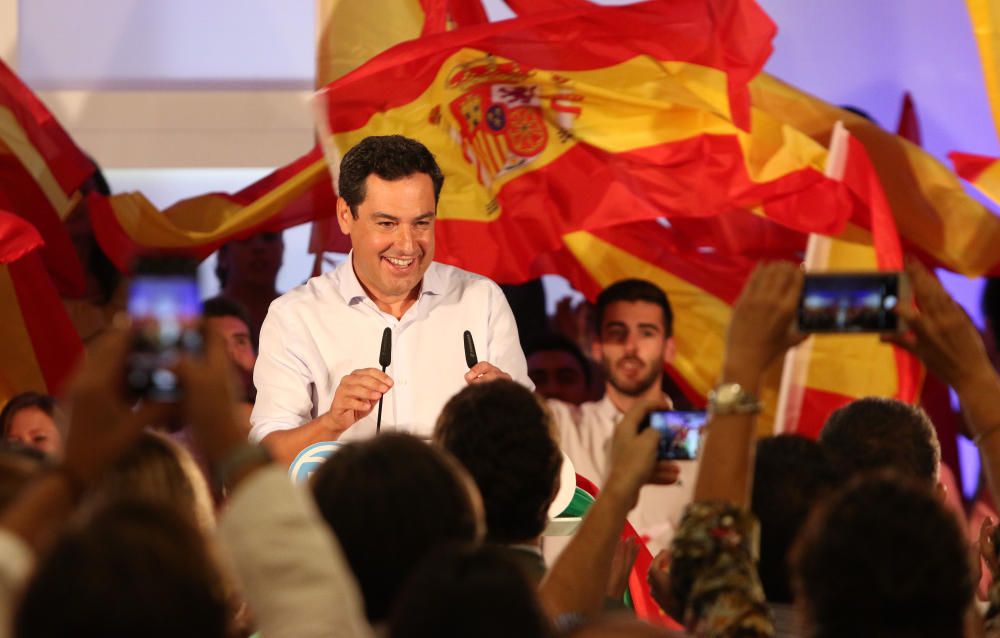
column 309, row 460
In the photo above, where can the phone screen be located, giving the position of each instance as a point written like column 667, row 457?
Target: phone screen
column 849, row 303
column 680, row 432
column 165, row 307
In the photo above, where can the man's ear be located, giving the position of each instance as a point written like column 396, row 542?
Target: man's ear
column 669, row 351
column 345, row 219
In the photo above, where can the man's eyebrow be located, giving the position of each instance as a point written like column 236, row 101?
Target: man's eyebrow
column 653, row 326
column 425, row 216
column 385, row 216
column 615, row 324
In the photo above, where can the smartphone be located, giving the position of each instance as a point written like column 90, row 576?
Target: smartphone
column 680, row 432
column 852, row 302
column 165, row 307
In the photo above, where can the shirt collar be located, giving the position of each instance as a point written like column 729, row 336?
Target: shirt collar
column 352, row 291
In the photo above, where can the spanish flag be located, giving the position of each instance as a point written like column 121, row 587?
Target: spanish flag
column 40, row 171
column 936, row 219
column 563, row 122
column 41, row 347
column 127, row 225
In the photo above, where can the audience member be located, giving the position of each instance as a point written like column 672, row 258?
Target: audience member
column 558, row 368
column 391, row 500
column 876, row 433
column 156, row 469
column 468, row 590
column 29, row 418
column 146, row 556
column 229, row 319
column 709, row 578
column 152, row 559
column 247, row 270
column 791, row 474
column 884, row 558
column 634, row 324
column 504, row 437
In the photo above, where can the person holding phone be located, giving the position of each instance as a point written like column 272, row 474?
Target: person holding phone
column 316, row 373
column 632, row 344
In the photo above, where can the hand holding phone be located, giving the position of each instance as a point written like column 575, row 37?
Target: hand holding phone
column 165, row 308
column 680, row 432
column 852, row 302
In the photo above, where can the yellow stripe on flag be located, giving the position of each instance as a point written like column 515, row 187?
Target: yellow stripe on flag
column 985, row 16
column 15, row 140
column 349, row 33
column 206, row 218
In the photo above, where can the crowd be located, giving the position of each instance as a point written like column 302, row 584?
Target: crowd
column 177, row 519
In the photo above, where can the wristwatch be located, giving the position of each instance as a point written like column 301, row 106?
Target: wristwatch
column 731, row 398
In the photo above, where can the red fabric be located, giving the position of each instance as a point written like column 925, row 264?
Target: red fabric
column 908, row 127
column 816, row 407
column 861, row 178
column 56, row 345
column 969, row 167
column 734, row 36
column 19, row 189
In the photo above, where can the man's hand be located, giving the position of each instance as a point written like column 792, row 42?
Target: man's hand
column 485, row 371
column 942, row 334
column 762, row 325
column 633, row 455
column 355, row 397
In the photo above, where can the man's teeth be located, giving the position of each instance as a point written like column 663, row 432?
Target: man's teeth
column 402, row 263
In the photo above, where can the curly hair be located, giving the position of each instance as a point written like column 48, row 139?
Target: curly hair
column 503, row 435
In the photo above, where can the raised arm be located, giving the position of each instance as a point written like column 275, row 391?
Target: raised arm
column 577, row 582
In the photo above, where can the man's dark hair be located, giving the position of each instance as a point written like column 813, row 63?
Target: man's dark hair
column 551, row 341
column 502, row 434
column 390, row 500
column 633, row 290
column 133, row 569
column 791, row 475
column 221, row 306
column 884, row 558
column 390, row 157
column 876, row 433
column 468, row 590
column 23, row 401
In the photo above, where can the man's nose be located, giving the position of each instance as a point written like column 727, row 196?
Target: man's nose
column 631, row 343
column 404, row 241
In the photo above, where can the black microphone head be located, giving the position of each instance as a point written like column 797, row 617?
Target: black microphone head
column 385, row 354
column 470, row 349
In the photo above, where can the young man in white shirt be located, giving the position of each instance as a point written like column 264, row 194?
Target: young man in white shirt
column 317, row 373
column 633, row 341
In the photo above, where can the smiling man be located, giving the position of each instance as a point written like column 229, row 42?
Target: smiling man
column 633, row 342
column 317, row 374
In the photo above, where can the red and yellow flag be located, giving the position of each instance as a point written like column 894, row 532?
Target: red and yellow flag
column 40, row 171
column 129, row 224
column 41, row 347
column 557, row 123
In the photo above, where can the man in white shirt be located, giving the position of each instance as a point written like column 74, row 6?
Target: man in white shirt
column 316, row 375
column 633, row 341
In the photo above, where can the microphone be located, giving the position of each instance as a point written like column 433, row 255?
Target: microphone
column 470, row 349
column 384, row 359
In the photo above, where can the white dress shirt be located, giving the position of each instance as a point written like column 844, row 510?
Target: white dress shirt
column 585, row 434
column 320, row 332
